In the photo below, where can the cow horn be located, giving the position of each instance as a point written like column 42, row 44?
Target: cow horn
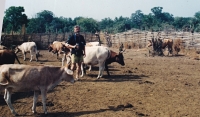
column 122, row 51
column 70, row 72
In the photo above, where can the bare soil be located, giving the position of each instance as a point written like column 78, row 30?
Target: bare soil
column 145, row 86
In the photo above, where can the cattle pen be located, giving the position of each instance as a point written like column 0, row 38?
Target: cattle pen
column 131, row 38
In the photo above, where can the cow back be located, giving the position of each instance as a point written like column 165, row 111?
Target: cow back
column 7, row 57
column 28, row 77
column 94, row 54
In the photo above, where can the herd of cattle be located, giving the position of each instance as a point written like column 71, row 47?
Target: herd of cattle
column 158, row 45
column 17, row 77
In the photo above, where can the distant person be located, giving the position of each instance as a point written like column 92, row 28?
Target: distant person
column 77, row 43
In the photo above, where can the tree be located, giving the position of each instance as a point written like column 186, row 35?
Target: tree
column 197, row 15
column 106, row 24
column 88, row 24
column 45, row 18
column 33, row 25
column 15, row 18
column 157, row 11
column 181, row 22
column 121, row 24
column 136, row 18
column 148, row 21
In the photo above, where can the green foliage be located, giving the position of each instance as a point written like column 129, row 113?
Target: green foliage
column 14, row 19
column 88, row 24
column 45, row 18
column 45, row 22
column 197, row 29
column 180, row 22
column 137, row 18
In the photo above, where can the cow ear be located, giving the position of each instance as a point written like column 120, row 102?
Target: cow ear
column 70, row 72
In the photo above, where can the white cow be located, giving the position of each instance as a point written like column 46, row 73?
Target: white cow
column 93, row 44
column 102, row 56
column 28, row 47
column 19, row 78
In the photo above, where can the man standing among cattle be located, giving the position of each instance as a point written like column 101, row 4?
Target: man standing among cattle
column 77, row 43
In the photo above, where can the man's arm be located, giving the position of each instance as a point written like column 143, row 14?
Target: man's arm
column 70, row 46
column 68, row 43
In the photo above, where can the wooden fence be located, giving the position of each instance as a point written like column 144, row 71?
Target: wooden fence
column 131, row 38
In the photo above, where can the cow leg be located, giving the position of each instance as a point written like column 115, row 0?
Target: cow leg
column 8, row 101
column 24, row 53
column 5, row 94
column 43, row 95
column 35, row 98
column 63, row 59
column 31, row 56
column 106, row 66
column 57, row 55
column 101, row 69
column 82, row 69
column 36, row 56
column 90, row 67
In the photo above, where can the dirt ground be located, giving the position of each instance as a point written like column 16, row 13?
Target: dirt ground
column 145, row 86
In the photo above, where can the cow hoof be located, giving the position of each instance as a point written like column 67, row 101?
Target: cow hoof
column 34, row 112
column 76, row 79
column 16, row 114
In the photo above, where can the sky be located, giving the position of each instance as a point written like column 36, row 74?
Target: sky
column 100, row 9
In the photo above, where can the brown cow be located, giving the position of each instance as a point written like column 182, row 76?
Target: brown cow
column 22, row 78
column 8, row 57
column 159, row 44
column 59, row 48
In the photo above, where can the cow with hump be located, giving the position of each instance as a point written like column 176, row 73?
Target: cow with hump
column 28, row 47
column 102, row 56
column 20, row 78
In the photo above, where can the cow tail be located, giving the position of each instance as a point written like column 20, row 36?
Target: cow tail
column 17, row 59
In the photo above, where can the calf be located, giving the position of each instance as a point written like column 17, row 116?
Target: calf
column 102, row 56
column 59, row 48
column 8, row 57
column 28, row 47
column 18, row 78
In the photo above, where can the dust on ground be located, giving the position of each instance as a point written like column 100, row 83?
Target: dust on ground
column 145, row 86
